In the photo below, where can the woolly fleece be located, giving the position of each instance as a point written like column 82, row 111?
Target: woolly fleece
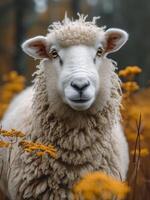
column 85, row 141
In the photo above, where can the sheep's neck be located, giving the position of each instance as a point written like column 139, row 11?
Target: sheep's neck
column 83, row 145
column 75, row 147
column 71, row 136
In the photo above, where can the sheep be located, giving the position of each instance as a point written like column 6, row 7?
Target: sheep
column 74, row 104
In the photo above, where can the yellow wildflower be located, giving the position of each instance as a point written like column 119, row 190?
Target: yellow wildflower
column 130, row 86
column 130, row 70
column 132, row 136
column 3, row 108
column 11, row 133
column 98, row 185
column 143, row 152
column 40, row 153
column 13, row 84
column 40, row 148
column 13, row 76
column 4, row 144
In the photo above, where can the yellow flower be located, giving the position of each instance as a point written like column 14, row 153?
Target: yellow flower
column 133, row 136
column 143, row 152
column 130, row 70
column 98, row 185
column 40, row 153
column 13, row 84
column 38, row 148
column 4, row 144
column 3, row 108
column 13, row 76
column 11, row 133
column 130, row 86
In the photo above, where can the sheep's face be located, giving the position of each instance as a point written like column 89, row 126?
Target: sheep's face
column 78, row 74
column 77, row 65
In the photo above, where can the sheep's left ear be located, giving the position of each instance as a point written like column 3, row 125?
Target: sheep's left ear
column 114, row 39
column 36, row 47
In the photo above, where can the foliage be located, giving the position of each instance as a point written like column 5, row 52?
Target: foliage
column 98, row 185
column 134, row 127
column 4, row 144
column 12, row 85
column 28, row 146
column 38, row 148
column 136, row 113
column 11, row 133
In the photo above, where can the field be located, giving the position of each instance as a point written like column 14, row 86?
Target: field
column 136, row 122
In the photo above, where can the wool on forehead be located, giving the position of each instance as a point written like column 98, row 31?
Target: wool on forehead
column 73, row 32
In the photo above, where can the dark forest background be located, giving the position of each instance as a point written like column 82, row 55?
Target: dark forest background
column 21, row 19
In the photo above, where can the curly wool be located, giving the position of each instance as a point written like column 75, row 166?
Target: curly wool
column 83, row 146
column 70, row 32
column 85, row 141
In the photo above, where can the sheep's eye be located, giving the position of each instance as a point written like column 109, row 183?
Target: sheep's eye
column 54, row 53
column 100, row 51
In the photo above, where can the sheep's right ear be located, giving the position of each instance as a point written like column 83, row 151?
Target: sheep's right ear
column 36, row 47
column 115, row 39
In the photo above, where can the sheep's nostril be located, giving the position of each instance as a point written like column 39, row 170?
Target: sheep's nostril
column 80, row 86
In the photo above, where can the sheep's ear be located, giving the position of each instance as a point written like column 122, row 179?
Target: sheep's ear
column 115, row 39
column 36, row 47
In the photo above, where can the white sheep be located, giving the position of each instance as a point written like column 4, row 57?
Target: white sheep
column 74, row 105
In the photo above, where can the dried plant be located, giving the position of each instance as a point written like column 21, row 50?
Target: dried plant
column 11, row 133
column 38, row 148
column 98, row 185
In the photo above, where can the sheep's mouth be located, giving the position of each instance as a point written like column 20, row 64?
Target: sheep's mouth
column 80, row 104
column 79, row 100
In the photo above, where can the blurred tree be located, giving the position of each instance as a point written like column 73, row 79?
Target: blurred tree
column 25, row 18
column 75, row 6
column 136, row 17
column 22, row 8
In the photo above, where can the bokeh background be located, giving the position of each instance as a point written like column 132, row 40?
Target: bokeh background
column 21, row 19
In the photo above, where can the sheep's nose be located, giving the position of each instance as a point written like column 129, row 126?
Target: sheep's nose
column 80, row 85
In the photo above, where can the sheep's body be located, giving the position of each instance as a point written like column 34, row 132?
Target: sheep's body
column 85, row 141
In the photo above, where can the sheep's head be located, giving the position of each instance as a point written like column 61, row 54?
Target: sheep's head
column 76, row 49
